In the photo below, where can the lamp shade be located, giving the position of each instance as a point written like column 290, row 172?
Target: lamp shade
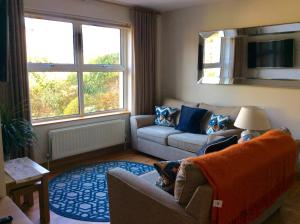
column 252, row 118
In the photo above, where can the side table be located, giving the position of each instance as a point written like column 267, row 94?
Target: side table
column 23, row 177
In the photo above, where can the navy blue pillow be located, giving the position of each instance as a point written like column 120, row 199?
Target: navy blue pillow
column 168, row 172
column 190, row 119
column 218, row 145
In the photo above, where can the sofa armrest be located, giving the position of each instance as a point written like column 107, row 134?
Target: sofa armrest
column 200, row 204
column 142, row 120
column 229, row 132
column 137, row 122
column 133, row 201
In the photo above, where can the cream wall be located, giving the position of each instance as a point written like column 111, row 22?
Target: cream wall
column 179, row 49
column 79, row 8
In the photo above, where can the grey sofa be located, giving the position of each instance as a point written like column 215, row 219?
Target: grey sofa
column 167, row 142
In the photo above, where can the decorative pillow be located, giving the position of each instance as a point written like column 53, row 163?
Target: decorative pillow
column 190, row 119
column 168, row 172
column 218, row 123
column 189, row 177
column 218, row 145
column 165, row 116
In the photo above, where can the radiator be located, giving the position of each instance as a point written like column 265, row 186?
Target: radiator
column 85, row 138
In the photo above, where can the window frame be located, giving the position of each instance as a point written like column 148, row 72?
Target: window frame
column 79, row 67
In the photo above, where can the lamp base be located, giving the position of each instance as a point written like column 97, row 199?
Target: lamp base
column 249, row 134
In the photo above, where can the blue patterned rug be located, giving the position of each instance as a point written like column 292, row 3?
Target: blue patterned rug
column 82, row 193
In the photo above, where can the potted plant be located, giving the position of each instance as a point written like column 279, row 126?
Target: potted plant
column 16, row 133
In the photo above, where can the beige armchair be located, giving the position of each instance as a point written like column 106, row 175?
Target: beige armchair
column 136, row 200
column 133, row 200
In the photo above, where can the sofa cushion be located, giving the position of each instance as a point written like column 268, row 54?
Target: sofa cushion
column 218, row 145
column 218, row 123
column 177, row 104
column 156, row 133
column 189, row 177
column 165, row 116
column 187, row 141
column 190, row 119
column 168, row 171
column 232, row 112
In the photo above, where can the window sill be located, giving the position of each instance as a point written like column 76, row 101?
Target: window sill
column 36, row 124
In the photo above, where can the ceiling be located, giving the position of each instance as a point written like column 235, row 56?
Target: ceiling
column 162, row 5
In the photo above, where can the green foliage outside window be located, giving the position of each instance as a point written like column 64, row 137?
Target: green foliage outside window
column 57, row 94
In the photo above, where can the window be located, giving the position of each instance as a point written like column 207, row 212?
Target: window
column 95, row 41
column 75, row 68
column 213, row 57
column 47, row 39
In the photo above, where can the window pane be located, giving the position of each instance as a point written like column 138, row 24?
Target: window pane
column 211, row 75
column 53, row 94
column 49, row 41
column 212, row 48
column 102, row 91
column 101, row 45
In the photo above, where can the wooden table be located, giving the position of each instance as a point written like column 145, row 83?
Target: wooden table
column 20, row 181
column 8, row 207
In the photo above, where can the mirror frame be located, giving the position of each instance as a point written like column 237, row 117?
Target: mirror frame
column 284, row 28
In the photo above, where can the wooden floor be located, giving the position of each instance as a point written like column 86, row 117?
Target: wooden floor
column 33, row 213
column 288, row 214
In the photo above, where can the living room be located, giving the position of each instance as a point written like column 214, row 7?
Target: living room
column 115, row 90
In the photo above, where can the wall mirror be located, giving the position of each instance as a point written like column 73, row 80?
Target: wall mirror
column 267, row 56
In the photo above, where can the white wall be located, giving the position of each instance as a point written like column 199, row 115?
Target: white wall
column 79, row 8
column 179, row 54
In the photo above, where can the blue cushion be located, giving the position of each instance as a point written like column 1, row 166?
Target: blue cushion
column 218, row 123
column 218, row 145
column 190, row 119
column 168, row 172
column 165, row 116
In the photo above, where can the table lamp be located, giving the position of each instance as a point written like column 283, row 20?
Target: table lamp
column 252, row 119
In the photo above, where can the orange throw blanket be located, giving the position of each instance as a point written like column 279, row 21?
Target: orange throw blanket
column 247, row 178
